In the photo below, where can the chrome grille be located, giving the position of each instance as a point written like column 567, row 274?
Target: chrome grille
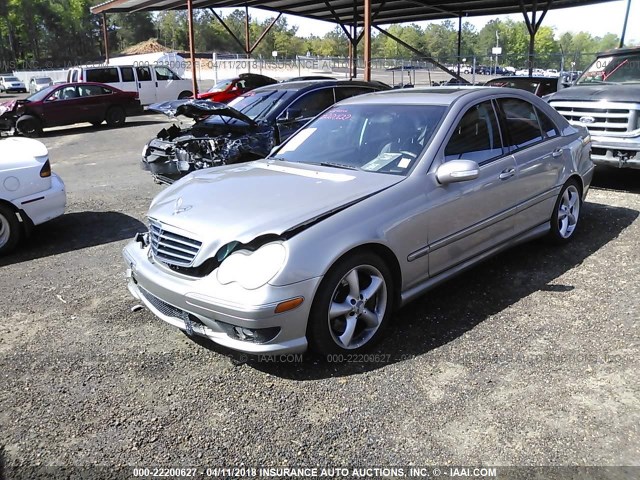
column 170, row 247
column 609, row 118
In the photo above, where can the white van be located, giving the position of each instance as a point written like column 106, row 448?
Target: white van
column 154, row 83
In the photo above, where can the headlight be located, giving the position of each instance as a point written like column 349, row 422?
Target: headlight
column 252, row 269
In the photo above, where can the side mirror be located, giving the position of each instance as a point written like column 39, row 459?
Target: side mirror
column 457, row 171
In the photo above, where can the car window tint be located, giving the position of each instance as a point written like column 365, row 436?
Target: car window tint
column 346, row 92
column 521, row 122
column 92, row 90
column 102, row 75
column 476, row 137
column 144, row 74
column 549, row 128
column 127, row 74
column 547, row 87
column 163, row 73
column 65, row 93
column 313, row 103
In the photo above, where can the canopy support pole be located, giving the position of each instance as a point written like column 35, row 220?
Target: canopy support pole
column 264, row 33
column 421, row 55
column 624, row 27
column 192, row 49
column 105, row 35
column 226, row 27
column 354, row 40
column 459, row 41
column 533, row 26
column 367, row 40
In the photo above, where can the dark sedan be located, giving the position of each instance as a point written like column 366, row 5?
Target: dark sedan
column 245, row 129
column 67, row 104
column 539, row 86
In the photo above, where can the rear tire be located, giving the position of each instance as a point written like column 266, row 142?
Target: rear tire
column 566, row 213
column 184, row 95
column 116, row 117
column 29, row 126
column 352, row 306
column 10, row 229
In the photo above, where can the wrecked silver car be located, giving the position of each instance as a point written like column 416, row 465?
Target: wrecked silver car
column 245, row 129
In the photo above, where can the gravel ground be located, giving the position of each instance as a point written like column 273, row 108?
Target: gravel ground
column 529, row 359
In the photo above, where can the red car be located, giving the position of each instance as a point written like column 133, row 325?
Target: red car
column 226, row 90
column 67, row 104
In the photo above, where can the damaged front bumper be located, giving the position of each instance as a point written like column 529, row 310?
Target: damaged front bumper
column 239, row 319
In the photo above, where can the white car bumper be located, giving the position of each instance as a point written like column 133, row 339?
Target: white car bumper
column 46, row 205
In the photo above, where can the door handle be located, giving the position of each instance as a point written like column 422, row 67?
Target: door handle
column 557, row 153
column 508, row 173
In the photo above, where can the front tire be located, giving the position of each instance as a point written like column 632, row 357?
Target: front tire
column 29, row 126
column 566, row 213
column 10, row 229
column 184, row 95
column 352, row 305
column 116, row 117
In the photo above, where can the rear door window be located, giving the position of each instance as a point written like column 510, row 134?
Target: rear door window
column 521, row 122
column 347, row 92
column 102, row 75
column 127, row 74
column 163, row 73
column 144, row 74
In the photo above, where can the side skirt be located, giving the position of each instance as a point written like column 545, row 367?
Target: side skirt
column 428, row 284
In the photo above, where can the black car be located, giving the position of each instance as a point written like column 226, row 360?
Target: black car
column 539, row 86
column 245, row 129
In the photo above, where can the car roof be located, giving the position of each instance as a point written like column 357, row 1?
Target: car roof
column 311, row 84
column 443, row 96
column 538, row 78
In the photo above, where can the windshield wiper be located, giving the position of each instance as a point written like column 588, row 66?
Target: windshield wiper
column 337, row 165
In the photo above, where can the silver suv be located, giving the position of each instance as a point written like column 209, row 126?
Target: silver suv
column 606, row 100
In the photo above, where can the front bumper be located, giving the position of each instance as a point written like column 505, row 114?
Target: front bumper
column 202, row 306
column 616, row 152
column 44, row 206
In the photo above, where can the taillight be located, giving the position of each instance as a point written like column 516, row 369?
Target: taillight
column 45, row 171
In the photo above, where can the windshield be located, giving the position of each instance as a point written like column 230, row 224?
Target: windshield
column 43, row 81
column 41, row 95
column 613, row 69
column 221, row 86
column 374, row 138
column 11, row 79
column 258, row 105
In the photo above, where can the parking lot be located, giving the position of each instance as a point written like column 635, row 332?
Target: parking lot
column 529, row 359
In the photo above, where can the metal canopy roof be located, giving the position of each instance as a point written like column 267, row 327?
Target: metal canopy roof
column 343, row 11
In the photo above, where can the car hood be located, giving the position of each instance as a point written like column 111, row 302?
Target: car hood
column 597, row 92
column 199, row 109
column 239, row 203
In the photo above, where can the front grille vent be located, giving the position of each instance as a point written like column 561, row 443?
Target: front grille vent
column 170, row 247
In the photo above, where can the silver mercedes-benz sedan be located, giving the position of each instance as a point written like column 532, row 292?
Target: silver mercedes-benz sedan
column 369, row 205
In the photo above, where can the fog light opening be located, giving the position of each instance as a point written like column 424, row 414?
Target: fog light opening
column 253, row 335
column 289, row 305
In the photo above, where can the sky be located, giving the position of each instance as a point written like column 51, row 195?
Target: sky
column 596, row 19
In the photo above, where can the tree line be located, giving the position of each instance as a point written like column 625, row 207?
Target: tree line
column 60, row 32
